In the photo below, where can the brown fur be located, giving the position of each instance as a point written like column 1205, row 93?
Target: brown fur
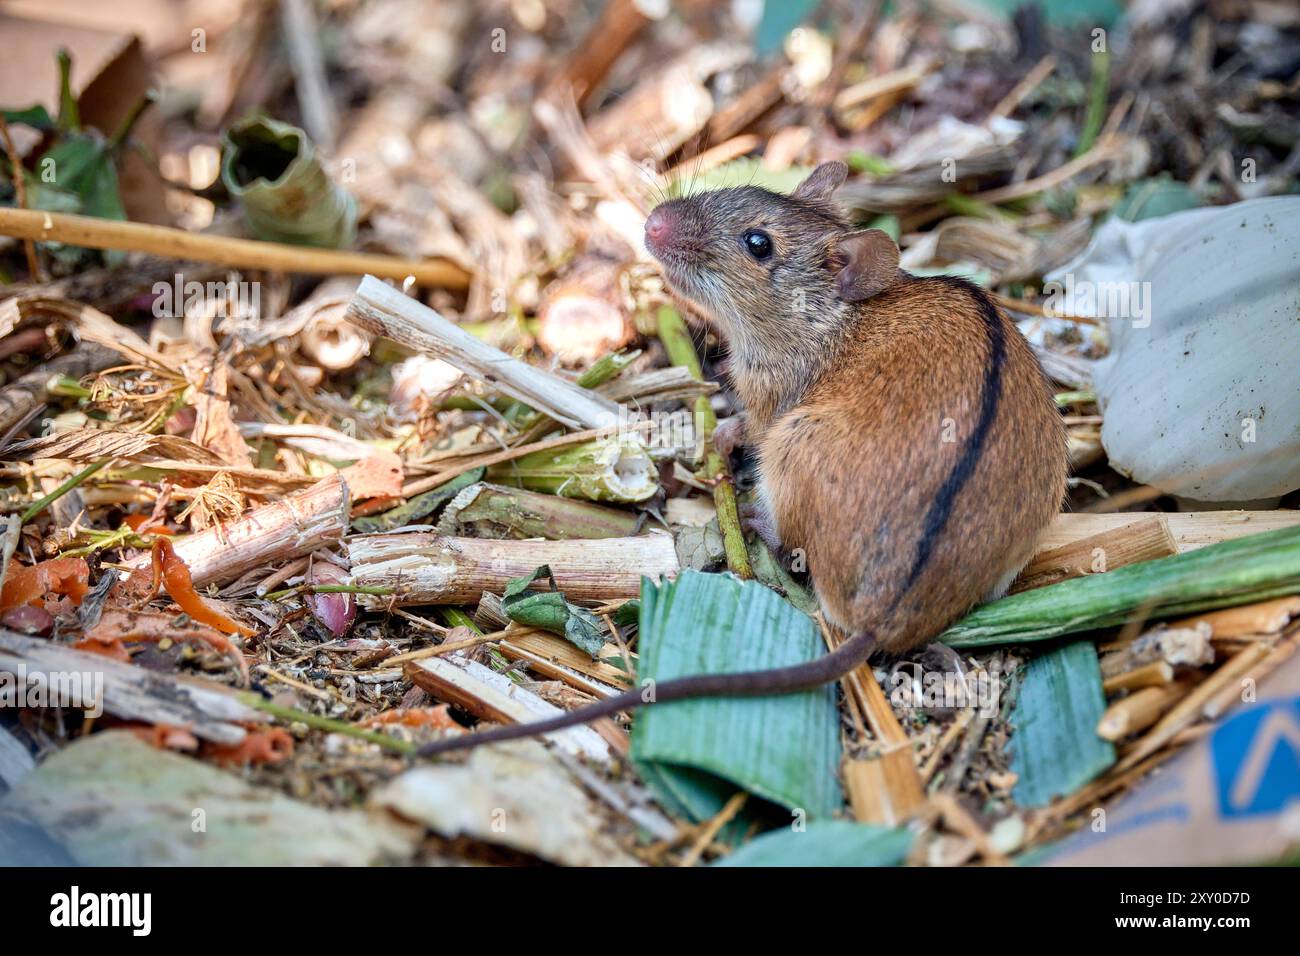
column 847, row 403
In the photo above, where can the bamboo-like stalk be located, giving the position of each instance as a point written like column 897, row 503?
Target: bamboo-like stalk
column 289, row 528
column 1231, row 694
column 681, row 351
column 616, row 468
column 519, row 513
column 1243, row 571
column 1266, row 617
column 884, row 789
column 383, row 310
column 96, row 233
column 1143, row 540
column 425, row 568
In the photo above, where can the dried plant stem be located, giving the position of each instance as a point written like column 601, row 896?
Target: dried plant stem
column 681, row 351
column 36, row 274
column 424, row 568
column 289, row 528
column 221, row 250
column 383, row 310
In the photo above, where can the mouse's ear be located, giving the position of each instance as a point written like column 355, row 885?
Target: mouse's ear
column 870, row 264
column 822, row 182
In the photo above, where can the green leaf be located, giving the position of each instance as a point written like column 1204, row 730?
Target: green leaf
column 1055, row 749
column 549, row 611
column 37, row 117
column 1241, row 571
column 695, row 753
column 829, row 843
column 421, row 506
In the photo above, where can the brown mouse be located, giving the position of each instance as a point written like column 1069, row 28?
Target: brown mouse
column 907, row 439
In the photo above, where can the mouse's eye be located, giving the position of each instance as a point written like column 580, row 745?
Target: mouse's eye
column 757, row 243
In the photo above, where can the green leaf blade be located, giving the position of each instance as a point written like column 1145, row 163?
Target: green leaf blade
column 784, row 749
column 1055, row 749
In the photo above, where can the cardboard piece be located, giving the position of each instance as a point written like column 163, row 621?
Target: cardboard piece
column 1231, row 798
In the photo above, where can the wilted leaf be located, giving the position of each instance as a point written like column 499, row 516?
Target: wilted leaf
column 95, row 444
column 549, row 611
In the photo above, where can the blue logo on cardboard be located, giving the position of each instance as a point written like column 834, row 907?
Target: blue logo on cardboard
column 1257, row 759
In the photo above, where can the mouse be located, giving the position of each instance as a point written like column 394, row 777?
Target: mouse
column 908, row 446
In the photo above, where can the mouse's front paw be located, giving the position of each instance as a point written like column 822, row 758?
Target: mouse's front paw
column 754, row 517
column 729, row 435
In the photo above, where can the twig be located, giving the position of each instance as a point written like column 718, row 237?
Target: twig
column 222, row 250
column 296, row 525
column 383, row 310
column 1041, row 71
column 713, row 828
column 681, row 351
column 298, row 22
column 20, row 193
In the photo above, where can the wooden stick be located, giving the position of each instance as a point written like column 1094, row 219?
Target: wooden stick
column 426, row 568
column 1266, row 617
column 1155, row 674
column 134, row 693
column 383, row 310
column 1142, row 540
column 1231, row 694
column 1189, row 710
column 1191, row 530
column 222, row 250
column 289, row 528
column 35, row 273
column 619, row 25
column 895, row 81
column 1100, row 152
column 490, row 696
column 1139, row 710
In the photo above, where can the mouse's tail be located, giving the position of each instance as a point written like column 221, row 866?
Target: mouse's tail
column 781, row 680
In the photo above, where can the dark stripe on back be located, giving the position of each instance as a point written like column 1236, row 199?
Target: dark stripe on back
column 941, row 508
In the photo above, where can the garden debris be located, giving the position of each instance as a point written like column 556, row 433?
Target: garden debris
column 113, row 800
column 1227, row 799
column 516, row 794
column 456, row 365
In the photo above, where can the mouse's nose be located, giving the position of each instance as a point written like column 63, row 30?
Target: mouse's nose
column 660, row 226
